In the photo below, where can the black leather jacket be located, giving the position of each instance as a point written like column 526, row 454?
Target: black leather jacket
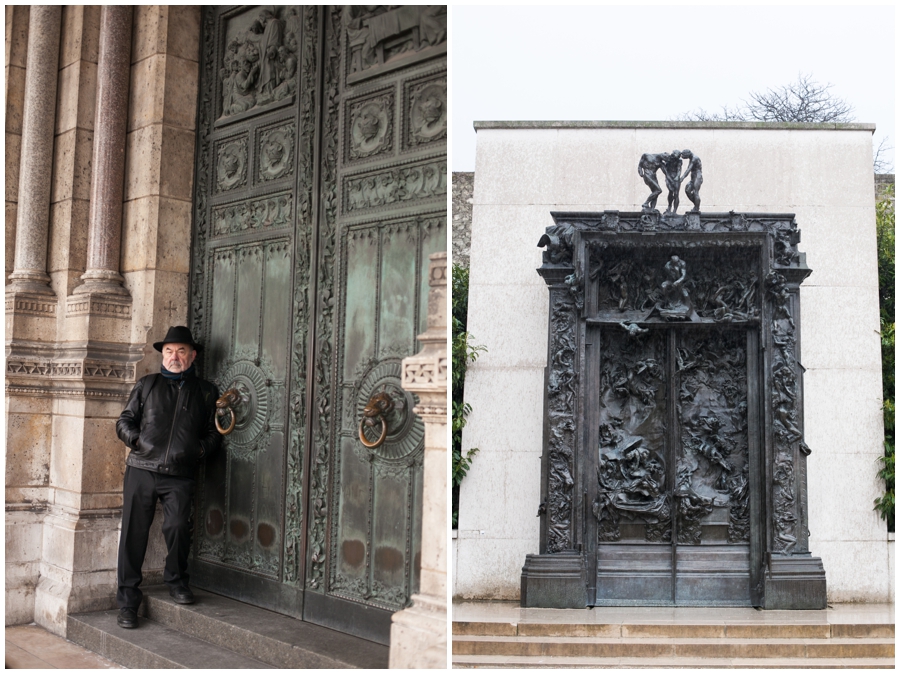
column 169, row 424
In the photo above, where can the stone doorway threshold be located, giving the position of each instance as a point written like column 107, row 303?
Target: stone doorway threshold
column 219, row 633
column 502, row 634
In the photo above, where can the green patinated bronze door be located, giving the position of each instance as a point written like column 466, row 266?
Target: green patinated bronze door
column 320, row 191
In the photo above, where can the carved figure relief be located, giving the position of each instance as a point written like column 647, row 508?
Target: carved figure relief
column 231, row 164
column 371, row 126
column 274, row 212
column 276, row 152
column 427, row 116
column 712, row 405
column 259, row 66
column 380, row 34
column 561, row 402
column 632, row 457
column 394, row 186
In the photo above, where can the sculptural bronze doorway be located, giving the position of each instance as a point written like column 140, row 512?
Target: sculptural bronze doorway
column 320, row 191
column 674, row 464
column 671, row 514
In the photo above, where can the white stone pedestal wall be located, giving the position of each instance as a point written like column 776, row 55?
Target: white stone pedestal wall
column 822, row 173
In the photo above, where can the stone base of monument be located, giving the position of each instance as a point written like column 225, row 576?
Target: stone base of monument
column 554, row 581
column 796, row 582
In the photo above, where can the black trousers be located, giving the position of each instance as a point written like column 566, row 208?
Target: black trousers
column 140, row 493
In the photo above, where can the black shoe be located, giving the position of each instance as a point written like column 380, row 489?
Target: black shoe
column 181, row 595
column 127, row 618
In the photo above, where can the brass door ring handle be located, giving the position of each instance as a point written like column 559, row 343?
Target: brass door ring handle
column 379, row 441
column 226, row 404
column 379, row 406
column 226, row 431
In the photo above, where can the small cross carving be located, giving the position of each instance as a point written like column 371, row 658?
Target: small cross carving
column 170, row 309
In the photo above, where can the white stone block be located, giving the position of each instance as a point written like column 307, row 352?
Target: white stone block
column 842, row 488
column 855, row 571
column 509, row 328
column 839, row 328
column 827, row 416
column 490, row 568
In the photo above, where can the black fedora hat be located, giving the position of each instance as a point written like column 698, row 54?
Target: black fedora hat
column 178, row 334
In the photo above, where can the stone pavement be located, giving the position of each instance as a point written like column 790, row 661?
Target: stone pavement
column 33, row 647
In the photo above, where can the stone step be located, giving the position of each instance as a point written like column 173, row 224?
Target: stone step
column 249, row 633
column 673, row 647
column 700, row 630
column 151, row 646
column 524, row 662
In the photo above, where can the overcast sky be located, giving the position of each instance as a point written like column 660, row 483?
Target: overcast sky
column 641, row 63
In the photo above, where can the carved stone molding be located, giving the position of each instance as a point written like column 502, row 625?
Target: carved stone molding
column 370, row 126
column 425, row 373
column 31, row 304
column 113, row 306
column 426, row 111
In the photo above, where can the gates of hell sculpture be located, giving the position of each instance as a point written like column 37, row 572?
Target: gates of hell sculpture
column 674, row 463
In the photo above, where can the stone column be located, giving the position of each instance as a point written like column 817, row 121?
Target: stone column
column 100, row 308
column 30, row 302
column 30, row 272
column 419, row 633
column 108, row 181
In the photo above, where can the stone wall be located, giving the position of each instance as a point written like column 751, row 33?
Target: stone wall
column 75, row 345
column 822, row 173
column 463, row 189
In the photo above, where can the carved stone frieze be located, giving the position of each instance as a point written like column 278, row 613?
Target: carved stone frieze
column 399, row 185
column 380, row 38
column 371, row 126
column 426, row 117
column 98, row 305
column 270, row 212
column 259, row 65
column 231, row 164
column 32, row 305
column 424, row 373
column 276, row 153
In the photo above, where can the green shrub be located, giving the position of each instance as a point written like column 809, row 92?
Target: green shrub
column 884, row 220
column 464, row 352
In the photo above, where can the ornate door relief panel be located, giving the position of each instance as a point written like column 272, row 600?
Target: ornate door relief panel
column 321, row 191
column 674, row 462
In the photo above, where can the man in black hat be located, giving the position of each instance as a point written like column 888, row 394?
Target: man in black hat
column 169, row 425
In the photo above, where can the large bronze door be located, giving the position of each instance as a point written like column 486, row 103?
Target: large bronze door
column 320, row 192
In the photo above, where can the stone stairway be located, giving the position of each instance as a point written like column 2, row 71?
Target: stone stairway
column 219, row 633
column 692, row 638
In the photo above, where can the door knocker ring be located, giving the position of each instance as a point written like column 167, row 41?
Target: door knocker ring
column 225, row 404
column 379, row 406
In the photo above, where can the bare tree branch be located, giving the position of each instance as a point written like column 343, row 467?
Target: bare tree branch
column 802, row 101
column 879, row 162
